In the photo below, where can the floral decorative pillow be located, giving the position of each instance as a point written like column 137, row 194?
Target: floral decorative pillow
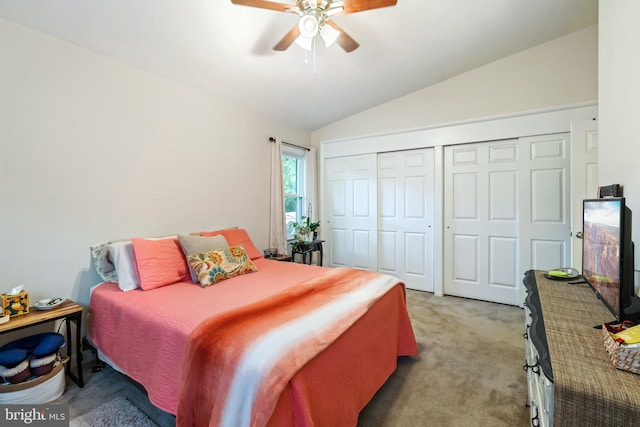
column 104, row 267
column 192, row 245
column 214, row 266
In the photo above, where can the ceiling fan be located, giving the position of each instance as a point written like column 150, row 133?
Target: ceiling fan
column 315, row 18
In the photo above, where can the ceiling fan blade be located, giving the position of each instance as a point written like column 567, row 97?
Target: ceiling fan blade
column 264, row 4
column 353, row 6
column 288, row 39
column 344, row 40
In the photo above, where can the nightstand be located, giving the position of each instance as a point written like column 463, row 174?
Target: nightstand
column 70, row 312
column 307, row 248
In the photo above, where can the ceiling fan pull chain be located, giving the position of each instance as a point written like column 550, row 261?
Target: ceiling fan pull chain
column 314, row 55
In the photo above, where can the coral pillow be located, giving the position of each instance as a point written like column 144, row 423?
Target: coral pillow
column 159, row 262
column 237, row 237
column 215, row 266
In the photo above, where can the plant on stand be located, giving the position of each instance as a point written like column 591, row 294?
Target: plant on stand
column 313, row 228
column 306, row 230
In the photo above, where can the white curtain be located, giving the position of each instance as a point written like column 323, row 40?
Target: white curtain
column 277, row 226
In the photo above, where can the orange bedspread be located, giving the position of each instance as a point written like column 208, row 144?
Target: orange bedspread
column 145, row 334
column 237, row 364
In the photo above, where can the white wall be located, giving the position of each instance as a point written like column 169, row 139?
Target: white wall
column 92, row 150
column 557, row 73
column 619, row 108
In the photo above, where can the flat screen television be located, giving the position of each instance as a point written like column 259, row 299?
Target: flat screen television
column 607, row 253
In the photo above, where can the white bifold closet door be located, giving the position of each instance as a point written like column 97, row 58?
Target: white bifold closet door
column 350, row 197
column 380, row 213
column 507, row 209
column 405, row 216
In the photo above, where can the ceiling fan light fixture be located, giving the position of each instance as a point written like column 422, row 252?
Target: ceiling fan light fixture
column 314, row 15
column 329, row 34
column 304, row 42
column 308, row 26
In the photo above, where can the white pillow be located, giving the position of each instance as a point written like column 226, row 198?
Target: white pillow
column 125, row 262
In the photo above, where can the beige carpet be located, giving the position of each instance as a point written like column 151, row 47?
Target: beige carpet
column 469, row 372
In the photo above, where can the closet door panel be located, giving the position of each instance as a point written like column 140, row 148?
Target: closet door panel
column 481, row 221
column 351, row 187
column 465, row 247
column 414, row 197
column 405, row 216
column 504, row 260
column 338, row 246
column 415, row 254
column 547, row 209
column 387, row 241
column 362, row 240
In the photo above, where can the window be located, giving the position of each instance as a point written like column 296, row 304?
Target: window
column 294, row 186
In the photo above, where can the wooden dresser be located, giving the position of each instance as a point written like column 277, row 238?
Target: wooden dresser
column 571, row 379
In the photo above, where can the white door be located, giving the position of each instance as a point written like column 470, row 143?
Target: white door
column 545, row 228
column 506, row 211
column 405, row 216
column 350, row 195
column 584, row 177
column 481, row 221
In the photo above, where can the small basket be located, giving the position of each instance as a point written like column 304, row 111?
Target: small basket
column 36, row 391
column 626, row 359
column 271, row 252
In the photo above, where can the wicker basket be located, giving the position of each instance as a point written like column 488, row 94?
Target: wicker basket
column 39, row 390
column 626, row 359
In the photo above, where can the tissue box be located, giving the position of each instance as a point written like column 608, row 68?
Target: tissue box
column 14, row 305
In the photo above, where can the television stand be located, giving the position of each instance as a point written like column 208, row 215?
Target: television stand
column 572, row 381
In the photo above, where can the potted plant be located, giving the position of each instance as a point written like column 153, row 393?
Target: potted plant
column 305, row 229
column 313, row 227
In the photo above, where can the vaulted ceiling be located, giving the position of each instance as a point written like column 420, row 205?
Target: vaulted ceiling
column 226, row 50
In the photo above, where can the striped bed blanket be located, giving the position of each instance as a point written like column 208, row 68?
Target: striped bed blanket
column 236, row 364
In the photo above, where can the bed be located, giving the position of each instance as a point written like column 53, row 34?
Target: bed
column 189, row 345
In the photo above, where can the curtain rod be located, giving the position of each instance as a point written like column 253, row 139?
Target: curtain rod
column 272, row 139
